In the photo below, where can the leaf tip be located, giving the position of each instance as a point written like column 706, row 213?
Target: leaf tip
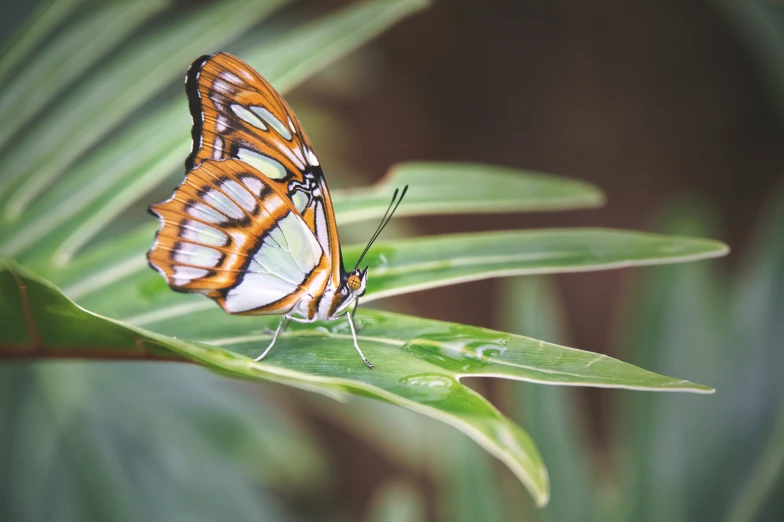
column 692, row 387
column 594, row 195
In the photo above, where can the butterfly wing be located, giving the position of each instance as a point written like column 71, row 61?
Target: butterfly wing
column 230, row 232
column 238, row 115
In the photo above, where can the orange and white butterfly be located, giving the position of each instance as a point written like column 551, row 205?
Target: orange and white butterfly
column 252, row 225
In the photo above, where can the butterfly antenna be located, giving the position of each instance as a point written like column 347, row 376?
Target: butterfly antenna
column 384, row 221
column 379, row 228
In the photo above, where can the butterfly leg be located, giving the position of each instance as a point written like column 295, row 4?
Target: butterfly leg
column 359, row 326
column 281, row 325
column 356, row 344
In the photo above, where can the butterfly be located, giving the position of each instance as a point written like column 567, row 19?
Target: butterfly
column 252, row 224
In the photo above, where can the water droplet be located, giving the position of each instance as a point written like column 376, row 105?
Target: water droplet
column 486, row 351
column 429, row 380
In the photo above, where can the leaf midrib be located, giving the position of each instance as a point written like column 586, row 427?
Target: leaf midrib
column 228, row 341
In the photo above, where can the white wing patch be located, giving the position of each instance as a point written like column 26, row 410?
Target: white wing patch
column 283, row 261
column 276, row 261
column 299, row 155
column 247, row 116
column 270, row 167
column 217, row 148
column 231, row 77
column 257, row 290
column 303, row 246
column 300, row 201
column 253, row 183
column 185, row 274
column 290, row 154
column 239, row 194
column 199, row 232
column 199, row 255
column 273, row 122
column 312, row 159
column 221, row 123
column 205, row 213
column 223, row 203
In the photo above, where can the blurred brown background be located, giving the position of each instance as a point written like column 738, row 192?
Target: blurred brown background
column 651, row 102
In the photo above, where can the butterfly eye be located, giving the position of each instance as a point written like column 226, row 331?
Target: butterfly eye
column 354, row 282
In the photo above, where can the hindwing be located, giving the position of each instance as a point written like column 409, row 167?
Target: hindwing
column 230, row 232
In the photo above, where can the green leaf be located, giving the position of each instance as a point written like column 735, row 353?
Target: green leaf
column 450, row 188
column 36, row 29
column 420, row 362
column 63, row 219
column 80, row 428
column 415, row 264
column 66, row 58
column 114, row 92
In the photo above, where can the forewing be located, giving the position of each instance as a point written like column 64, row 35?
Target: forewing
column 229, row 232
column 238, row 115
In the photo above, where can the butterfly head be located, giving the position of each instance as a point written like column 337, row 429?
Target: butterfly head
column 356, row 282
